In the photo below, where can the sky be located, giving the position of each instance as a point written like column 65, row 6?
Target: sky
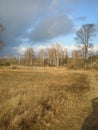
column 41, row 23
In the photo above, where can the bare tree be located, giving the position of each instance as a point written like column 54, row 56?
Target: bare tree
column 84, row 38
column 51, row 56
column 41, row 57
column 29, row 56
column 64, row 56
column 75, row 56
column 56, row 55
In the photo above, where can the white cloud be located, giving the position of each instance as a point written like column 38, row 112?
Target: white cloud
column 70, row 48
column 19, row 50
column 42, row 47
column 76, row 28
column 96, row 48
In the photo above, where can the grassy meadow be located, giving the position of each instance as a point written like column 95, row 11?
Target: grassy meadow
column 46, row 98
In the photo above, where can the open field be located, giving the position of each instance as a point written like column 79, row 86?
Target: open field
column 46, row 98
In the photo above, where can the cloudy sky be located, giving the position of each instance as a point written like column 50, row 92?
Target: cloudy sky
column 39, row 23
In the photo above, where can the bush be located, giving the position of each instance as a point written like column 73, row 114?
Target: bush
column 4, row 63
column 7, row 63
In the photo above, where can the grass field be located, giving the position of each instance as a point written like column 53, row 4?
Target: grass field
column 46, row 98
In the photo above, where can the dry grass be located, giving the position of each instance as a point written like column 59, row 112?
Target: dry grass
column 44, row 99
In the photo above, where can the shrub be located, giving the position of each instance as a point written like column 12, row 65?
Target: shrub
column 7, row 63
column 4, row 63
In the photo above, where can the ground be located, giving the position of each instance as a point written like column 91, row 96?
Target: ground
column 46, row 98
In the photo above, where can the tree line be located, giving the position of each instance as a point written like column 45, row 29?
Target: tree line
column 56, row 55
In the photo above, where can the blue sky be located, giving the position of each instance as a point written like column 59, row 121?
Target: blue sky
column 34, row 23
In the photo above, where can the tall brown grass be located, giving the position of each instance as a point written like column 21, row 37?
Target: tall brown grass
column 43, row 99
